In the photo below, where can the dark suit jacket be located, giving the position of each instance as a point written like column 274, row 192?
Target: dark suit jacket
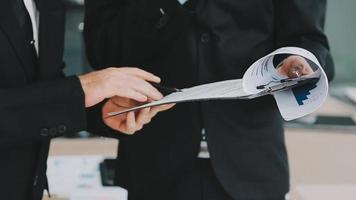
column 217, row 41
column 36, row 102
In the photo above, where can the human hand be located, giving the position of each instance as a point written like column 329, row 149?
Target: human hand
column 129, row 122
column 125, row 82
column 294, row 67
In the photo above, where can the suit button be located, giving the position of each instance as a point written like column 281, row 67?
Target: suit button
column 53, row 131
column 62, row 129
column 44, row 132
column 205, row 38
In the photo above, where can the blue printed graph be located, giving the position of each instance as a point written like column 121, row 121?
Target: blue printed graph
column 301, row 93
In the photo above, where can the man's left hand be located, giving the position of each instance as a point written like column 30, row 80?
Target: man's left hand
column 130, row 122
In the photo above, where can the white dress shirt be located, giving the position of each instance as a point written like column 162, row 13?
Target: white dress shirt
column 182, row 1
column 34, row 15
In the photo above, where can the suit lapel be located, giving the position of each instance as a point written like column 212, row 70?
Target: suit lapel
column 9, row 24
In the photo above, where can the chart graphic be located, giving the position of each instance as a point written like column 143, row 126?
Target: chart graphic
column 301, row 93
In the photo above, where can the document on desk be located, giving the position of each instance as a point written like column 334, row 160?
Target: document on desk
column 295, row 97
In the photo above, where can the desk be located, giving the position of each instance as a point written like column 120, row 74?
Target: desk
column 73, row 169
column 92, row 146
column 318, row 160
column 322, row 164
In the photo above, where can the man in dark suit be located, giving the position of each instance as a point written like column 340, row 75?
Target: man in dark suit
column 210, row 150
column 38, row 103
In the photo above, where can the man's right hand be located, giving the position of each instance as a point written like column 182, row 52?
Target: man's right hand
column 131, row 83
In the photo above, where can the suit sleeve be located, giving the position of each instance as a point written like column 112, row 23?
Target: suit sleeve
column 301, row 23
column 44, row 110
column 103, row 33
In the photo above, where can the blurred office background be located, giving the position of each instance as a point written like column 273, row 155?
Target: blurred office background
column 321, row 146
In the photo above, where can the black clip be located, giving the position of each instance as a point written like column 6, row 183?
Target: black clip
column 287, row 83
column 165, row 90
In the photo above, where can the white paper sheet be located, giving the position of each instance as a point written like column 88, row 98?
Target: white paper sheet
column 230, row 89
column 182, row 1
column 292, row 103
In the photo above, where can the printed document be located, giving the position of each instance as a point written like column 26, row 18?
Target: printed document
column 295, row 97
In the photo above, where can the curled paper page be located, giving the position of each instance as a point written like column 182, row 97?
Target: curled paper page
column 295, row 97
column 295, row 102
column 231, row 89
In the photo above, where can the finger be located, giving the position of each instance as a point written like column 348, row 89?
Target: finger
column 307, row 70
column 124, row 81
column 144, row 116
column 130, row 123
column 155, row 110
column 130, row 93
column 114, row 122
column 146, row 89
column 165, row 107
column 143, row 74
column 124, row 102
column 149, row 100
column 295, row 72
column 300, row 61
column 282, row 72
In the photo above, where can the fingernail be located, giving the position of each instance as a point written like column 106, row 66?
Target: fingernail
column 295, row 72
column 143, row 99
column 159, row 96
column 158, row 79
